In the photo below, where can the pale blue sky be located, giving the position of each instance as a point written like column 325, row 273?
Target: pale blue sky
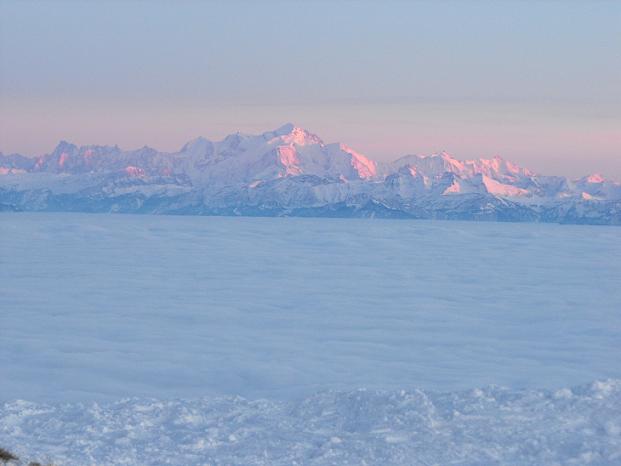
column 533, row 81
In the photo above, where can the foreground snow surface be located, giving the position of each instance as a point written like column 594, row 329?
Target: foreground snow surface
column 490, row 426
column 247, row 340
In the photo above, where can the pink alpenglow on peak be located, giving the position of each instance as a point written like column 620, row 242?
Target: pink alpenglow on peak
column 40, row 162
column 290, row 134
column 365, row 167
column 501, row 189
column 63, row 159
column 515, row 169
column 435, row 165
column 497, row 167
column 288, row 158
column 595, row 178
column 134, row 171
column 290, row 170
column 456, row 166
column 454, row 188
column 11, row 171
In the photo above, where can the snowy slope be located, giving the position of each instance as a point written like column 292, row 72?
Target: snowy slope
column 290, row 171
column 483, row 426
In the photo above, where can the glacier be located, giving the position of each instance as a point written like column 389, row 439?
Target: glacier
column 292, row 172
column 142, row 339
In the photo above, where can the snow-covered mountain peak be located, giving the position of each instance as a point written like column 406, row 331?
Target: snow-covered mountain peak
column 287, row 128
column 365, row 167
column 497, row 167
column 432, row 165
column 291, row 134
column 233, row 141
column 290, row 169
column 64, row 147
column 594, row 178
column 199, row 146
column 443, row 155
column 435, row 165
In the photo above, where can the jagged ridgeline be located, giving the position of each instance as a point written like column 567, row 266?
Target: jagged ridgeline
column 291, row 172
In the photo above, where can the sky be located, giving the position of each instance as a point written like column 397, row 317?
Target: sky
column 537, row 82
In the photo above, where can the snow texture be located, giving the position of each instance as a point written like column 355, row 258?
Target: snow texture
column 246, row 341
column 488, row 426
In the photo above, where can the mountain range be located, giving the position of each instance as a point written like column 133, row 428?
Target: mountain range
column 292, row 172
